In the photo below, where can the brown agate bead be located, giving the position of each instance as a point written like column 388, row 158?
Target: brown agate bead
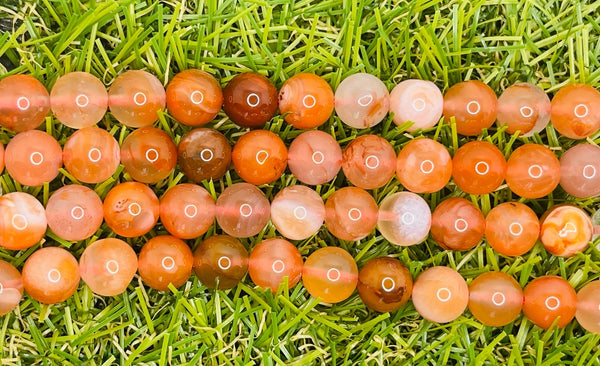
column 165, row 260
column 204, row 154
column 384, row 284
column 148, row 155
column 250, row 100
column 220, row 261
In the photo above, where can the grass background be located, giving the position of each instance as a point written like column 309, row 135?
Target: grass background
column 547, row 42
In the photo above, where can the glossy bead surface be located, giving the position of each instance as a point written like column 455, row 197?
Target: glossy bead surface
column 404, row 218
column 362, row 100
column 194, row 97
column 532, row 171
column 478, row 167
column 242, row 210
column 424, row 166
column 548, row 298
column 384, row 284
column 495, row 298
column 330, row 274
column 315, row 157
column 135, row 98
column 91, row 155
column 350, row 213
column 369, row 162
column 220, row 261
column 22, row 221
column 165, row 260
column 259, row 157
column 187, row 211
column 566, row 230
column 474, row 106
column 131, row 209
column 107, row 266
column 25, row 103
column 457, row 224
column 51, row 275
column 250, row 100
column 297, row 212
column 74, row 212
column 576, row 111
column 512, row 228
column 271, row 261
column 33, row 158
column 523, row 107
column 11, row 283
column 204, row 154
column 440, row 294
column 588, row 307
column 148, row 155
column 580, row 171
column 306, row 100
column 417, row 101
column 78, row 99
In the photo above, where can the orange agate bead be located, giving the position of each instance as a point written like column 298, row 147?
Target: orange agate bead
column 51, row 275
column 306, row 101
column 259, row 157
column 79, row 99
column 315, row 157
column 350, row 213
column 565, row 230
column 25, row 103
column 424, row 166
column 131, row 209
column 33, row 158
column 22, row 221
column 384, row 284
column 330, row 274
column 165, row 260
column 74, row 212
column 576, row 111
column 473, row 105
column 187, row 211
column 588, row 307
column 457, row 224
column 274, row 260
column 512, row 228
column 148, row 155
column 91, row 155
column 532, row 171
column 369, row 162
column 440, row 294
column 549, row 299
column 523, row 107
column 194, row 97
column 478, row 167
column 11, row 287
column 495, row 298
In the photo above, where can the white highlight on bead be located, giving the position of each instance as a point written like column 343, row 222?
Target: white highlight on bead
column 318, row 157
column 54, row 275
column 354, row 214
column 300, row 212
column 445, row 291
column 556, row 303
column 465, row 225
column 334, row 271
column 245, row 210
column 82, row 100
column 1, row 288
column 568, row 228
column 365, row 100
column 419, row 104
column 526, row 111
column 210, row 155
column 372, row 165
column 193, row 209
column 197, row 97
column 577, row 110
column 227, row 262
column 309, row 101
column 36, row 158
column 537, row 168
column 134, row 206
column 137, row 96
column 98, row 155
column 496, row 301
column 486, row 168
column 19, row 226
column 77, row 212
column 112, row 266
column 253, row 96
column 516, row 232
column 258, row 159
column 589, row 175
column 407, row 218
column 23, row 103
column 154, row 157
column 476, row 109
column 278, row 266
column 431, row 166
column 390, row 287
column 168, row 263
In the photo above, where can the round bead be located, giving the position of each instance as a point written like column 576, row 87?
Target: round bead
column 131, row 209
column 580, row 171
column 297, row 212
column 194, row 97
column 588, row 307
column 512, row 228
column 362, row 100
column 242, row 210
column 25, row 103
column 315, row 157
column 495, row 298
column 350, row 213
column 274, row 262
column 576, row 111
column 148, row 155
column 22, row 221
column 107, row 266
column 369, row 162
column 478, row 167
column 187, row 211
column 135, row 98
column 306, row 101
column 74, row 212
column 165, row 260
column 259, row 157
column 330, row 274
column 473, row 105
column 532, row 171
column 523, row 107
column 11, row 287
column 91, row 155
column 566, row 230
column 51, row 275
column 33, row 158
column 404, row 218
column 440, row 294
column 548, row 298
column 424, row 166
column 220, row 262
column 204, row 154
column 457, row 224
column 418, row 101
column 384, row 284
column 250, row 100
column 78, row 99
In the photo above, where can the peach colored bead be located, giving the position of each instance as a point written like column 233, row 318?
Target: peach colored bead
column 74, row 212
column 22, row 221
column 242, row 210
column 315, row 157
column 297, row 212
column 566, row 230
column 404, row 218
column 187, row 211
column 91, row 155
column 588, row 307
column 440, row 294
column 495, row 298
column 79, row 99
column 11, row 283
column 369, row 162
column 580, row 171
column 424, row 166
column 523, row 107
column 362, row 100
column 51, row 275
column 350, row 213
column 418, row 101
column 271, row 261
column 33, row 158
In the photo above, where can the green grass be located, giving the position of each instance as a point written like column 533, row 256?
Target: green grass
column 550, row 43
